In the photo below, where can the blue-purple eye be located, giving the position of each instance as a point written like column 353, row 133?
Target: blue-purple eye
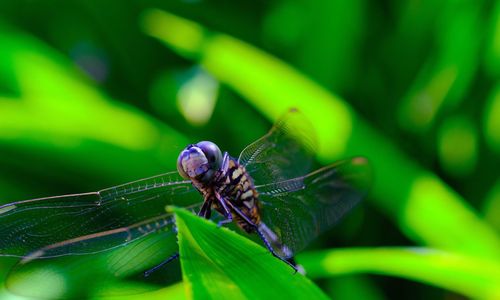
column 212, row 152
column 199, row 161
column 182, row 157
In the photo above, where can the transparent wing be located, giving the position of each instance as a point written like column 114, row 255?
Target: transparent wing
column 285, row 152
column 91, row 222
column 298, row 210
column 99, row 274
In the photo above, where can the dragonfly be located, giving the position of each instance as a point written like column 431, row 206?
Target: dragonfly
column 269, row 190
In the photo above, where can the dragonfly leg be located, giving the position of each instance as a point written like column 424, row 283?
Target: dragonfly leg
column 206, row 210
column 263, row 238
column 227, row 213
column 166, row 261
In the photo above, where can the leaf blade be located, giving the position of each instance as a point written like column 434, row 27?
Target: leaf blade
column 472, row 276
column 219, row 263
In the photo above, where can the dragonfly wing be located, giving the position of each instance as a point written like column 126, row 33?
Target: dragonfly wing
column 285, row 152
column 298, row 210
column 104, row 240
column 97, row 274
column 91, row 222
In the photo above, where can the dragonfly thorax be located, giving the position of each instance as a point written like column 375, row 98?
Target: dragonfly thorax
column 234, row 184
column 199, row 162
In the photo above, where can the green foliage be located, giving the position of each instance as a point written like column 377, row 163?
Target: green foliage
column 475, row 277
column 172, row 292
column 48, row 87
column 89, row 100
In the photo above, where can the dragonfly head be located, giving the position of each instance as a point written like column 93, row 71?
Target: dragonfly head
column 199, row 161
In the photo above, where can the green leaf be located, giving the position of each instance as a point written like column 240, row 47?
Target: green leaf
column 471, row 276
column 172, row 292
column 221, row 264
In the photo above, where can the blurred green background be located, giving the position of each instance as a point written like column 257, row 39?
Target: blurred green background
column 97, row 93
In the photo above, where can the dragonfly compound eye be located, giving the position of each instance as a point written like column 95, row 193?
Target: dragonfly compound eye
column 200, row 161
column 212, row 152
column 180, row 168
